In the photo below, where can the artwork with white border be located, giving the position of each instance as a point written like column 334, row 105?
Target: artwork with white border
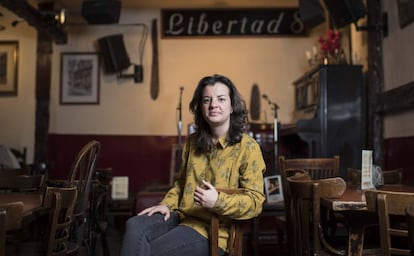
column 273, row 189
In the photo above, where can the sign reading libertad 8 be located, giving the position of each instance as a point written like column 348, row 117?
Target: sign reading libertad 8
column 231, row 22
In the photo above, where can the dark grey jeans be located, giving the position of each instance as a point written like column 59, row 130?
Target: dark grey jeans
column 152, row 236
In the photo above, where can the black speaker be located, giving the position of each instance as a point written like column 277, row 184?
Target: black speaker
column 101, row 11
column 114, row 54
column 344, row 12
column 311, row 13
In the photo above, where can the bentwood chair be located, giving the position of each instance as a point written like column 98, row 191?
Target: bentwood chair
column 316, row 168
column 390, row 205
column 235, row 239
column 305, row 214
column 80, row 176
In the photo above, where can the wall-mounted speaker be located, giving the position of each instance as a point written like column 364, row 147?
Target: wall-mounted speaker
column 344, row 12
column 311, row 13
column 114, row 54
column 101, row 11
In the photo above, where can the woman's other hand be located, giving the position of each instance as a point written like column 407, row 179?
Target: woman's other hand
column 163, row 209
column 205, row 195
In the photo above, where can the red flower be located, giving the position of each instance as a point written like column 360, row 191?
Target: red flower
column 331, row 43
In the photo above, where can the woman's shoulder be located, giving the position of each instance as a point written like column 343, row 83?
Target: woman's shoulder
column 246, row 138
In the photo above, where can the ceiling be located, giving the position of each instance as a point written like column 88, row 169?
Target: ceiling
column 74, row 7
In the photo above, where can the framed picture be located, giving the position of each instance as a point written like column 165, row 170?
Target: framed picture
column 273, row 189
column 79, row 78
column 8, row 67
column 405, row 12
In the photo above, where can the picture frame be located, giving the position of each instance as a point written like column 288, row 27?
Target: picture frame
column 9, row 51
column 273, row 189
column 405, row 12
column 79, row 78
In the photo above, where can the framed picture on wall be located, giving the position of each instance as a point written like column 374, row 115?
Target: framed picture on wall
column 8, row 68
column 79, row 78
column 273, row 189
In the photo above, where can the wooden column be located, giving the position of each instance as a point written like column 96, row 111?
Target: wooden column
column 43, row 84
column 375, row 82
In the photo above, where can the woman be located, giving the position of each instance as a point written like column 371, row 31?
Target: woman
column 218, row 155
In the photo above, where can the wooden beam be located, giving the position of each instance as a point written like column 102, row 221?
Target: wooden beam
column 36, row 19
column 397, row 99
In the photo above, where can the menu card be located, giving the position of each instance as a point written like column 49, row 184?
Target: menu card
column 120, row 187
column 366, row 170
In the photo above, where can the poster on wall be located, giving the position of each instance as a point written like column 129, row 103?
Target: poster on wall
column 79, row 78
column 8, row 68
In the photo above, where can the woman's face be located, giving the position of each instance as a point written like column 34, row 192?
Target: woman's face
column 216, row 105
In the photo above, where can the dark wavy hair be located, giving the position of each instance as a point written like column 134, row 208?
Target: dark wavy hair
column 238, row 119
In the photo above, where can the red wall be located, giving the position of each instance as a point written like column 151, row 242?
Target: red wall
column 145, row 159
column 398, row 154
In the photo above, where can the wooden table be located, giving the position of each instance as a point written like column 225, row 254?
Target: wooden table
column 32, row 205
column 353, row 205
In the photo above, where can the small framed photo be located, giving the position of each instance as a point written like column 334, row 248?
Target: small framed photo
column 79, row 78
column 273, row 189
column 8, row 68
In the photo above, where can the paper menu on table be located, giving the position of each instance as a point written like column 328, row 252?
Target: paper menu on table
column 366, row 170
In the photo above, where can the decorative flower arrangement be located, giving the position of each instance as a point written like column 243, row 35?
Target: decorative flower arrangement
column 330, row 51
column 331, row 44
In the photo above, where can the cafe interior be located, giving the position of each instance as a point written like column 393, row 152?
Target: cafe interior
column 94, row 111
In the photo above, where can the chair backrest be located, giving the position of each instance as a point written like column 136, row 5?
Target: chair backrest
column 390, row 176
column 234, row 242
column 305, row 213
column 80, row 175
column 61, row 201
column 390, row 204
column 410, row 221
column 318, row 168
column 22, row 182
column 10, row 218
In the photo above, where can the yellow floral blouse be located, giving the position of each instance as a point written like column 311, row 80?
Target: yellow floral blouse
column 226, row 166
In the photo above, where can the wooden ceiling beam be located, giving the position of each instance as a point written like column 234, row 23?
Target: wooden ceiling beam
column 35, row 18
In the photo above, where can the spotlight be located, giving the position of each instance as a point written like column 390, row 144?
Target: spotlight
column 61, row 16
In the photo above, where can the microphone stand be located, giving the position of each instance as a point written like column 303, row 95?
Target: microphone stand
column 180, row 121
column 274, row 108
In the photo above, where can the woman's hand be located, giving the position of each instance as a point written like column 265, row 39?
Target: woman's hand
column 205, row 195
column 163, row 209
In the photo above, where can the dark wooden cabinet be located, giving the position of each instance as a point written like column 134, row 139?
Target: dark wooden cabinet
column 329, row 113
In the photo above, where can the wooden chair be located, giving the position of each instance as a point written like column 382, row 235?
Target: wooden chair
column 316, row 168
column 10, row 215
column 62, row 203
column 80, row 175
column 410, row 222
column 235, row 239
column 390, row 205
column 390, row 176
column 304, row 209
column 53, row 228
